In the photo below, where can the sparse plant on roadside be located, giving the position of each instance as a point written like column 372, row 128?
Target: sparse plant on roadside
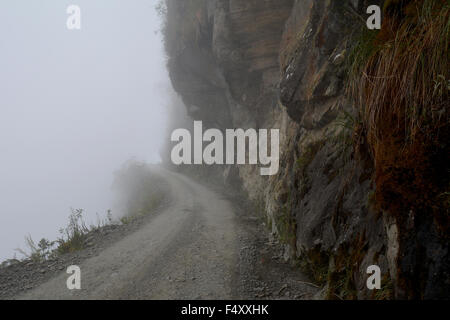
column 37, row 252
column 73, row 236
column 103, row 222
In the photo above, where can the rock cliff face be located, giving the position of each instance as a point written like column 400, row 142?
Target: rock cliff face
column 284, row 64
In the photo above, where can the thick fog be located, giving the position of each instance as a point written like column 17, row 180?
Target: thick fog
column 74, row 106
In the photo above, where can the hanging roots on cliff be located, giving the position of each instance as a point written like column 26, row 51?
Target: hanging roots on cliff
column 400, row 82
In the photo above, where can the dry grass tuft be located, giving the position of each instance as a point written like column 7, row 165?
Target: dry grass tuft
column 406, row 78
column 400, row 82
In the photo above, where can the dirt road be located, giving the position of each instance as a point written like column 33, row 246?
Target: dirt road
column 188, row 251
column 202, row 244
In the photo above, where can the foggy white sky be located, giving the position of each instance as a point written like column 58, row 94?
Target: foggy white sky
column 74, row 105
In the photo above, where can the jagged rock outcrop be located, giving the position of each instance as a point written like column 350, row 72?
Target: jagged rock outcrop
column 283, row 64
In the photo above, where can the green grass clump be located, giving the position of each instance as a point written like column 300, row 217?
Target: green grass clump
column 73, row 236
column 72, row 239
column 37, row 252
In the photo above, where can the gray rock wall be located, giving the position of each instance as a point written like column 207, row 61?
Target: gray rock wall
column 283, row 64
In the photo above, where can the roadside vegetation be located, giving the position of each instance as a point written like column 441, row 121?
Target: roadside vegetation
column 139, row 191
column 400, row 81
column 72, row 238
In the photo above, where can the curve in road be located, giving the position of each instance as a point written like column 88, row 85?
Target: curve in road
column 188, row 251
